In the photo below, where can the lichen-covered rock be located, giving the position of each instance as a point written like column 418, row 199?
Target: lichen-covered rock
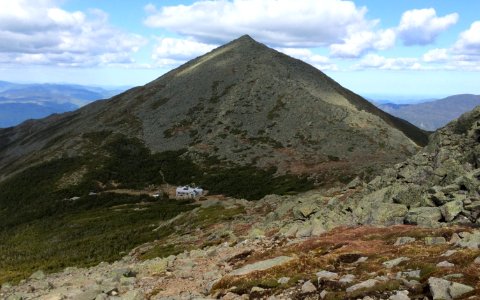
column 424, row 216
column 383, row 213
column 469, row 240
column 305, row 210
column 442, row 289
column 451, row 210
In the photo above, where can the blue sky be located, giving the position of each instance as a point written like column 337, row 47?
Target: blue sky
column 398, row 50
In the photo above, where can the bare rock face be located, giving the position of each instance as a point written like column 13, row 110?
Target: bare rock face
column 438, row 185
column 242, row 103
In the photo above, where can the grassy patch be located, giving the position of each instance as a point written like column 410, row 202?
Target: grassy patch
column 244, row 287
column 213, row 215
column 163, row 251
column 83, row 238
column 159, row 102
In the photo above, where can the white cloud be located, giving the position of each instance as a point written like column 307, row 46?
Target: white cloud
column 436, row 55
column 469, row 41
column 375, row 61
column 39, row 32
column 281, row 23
column 318, row 61
column 173, row 52
column 422, row 26
column 359, row 43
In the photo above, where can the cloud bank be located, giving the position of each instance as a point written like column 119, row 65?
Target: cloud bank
column 39, row 32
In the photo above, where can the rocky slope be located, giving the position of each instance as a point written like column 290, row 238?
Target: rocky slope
column 242, row 103
column 249, row 257
column 408, row 234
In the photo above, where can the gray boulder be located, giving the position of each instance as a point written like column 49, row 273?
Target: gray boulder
column 384, row 214
column 308, row 287
column 362, row 285
column 262, row 265
column 38, row 275
column 400, row 295
column 451, row 210
column 445, row 264
column 442, row 289
column 305, row 210
column 283, row 280
column 424, row 216
column 469, row 240
column 395, row 262
column 322, row 275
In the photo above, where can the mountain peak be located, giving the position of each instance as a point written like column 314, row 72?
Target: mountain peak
column 245, row 38
column 240, row 104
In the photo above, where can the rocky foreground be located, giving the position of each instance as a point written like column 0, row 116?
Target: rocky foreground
column 397, row 263
column 409, row 234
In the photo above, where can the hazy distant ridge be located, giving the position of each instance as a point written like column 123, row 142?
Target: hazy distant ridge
column 20, row 102
column 433, row 114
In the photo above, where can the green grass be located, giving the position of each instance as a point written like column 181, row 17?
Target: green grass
column 163, row 251
column 83, row 238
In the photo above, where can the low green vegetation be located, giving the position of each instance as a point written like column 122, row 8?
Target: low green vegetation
column 99, row 229
column 163, row 251
column 200, row 219
column 60, row 213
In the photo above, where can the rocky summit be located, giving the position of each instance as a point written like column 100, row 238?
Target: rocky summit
column 241, row 104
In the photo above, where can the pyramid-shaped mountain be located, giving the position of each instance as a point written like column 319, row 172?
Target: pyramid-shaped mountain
column 241, row 104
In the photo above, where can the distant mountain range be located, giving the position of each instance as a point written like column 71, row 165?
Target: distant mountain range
column 20, row 102
column 434, row 114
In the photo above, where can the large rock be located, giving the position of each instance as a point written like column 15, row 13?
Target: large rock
column 326, row 275
column 308, row 287
column 317, row 227
column 395, row 262
column 304, row 231
column 362, row 285
column 383, row 213
column 262, row 265
column 442, row 289
column 411, row 195
column 400, row 295
column 38, row 275
column 424, row 216
column 304, row 210
column 451, row 209
column 469, row 240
